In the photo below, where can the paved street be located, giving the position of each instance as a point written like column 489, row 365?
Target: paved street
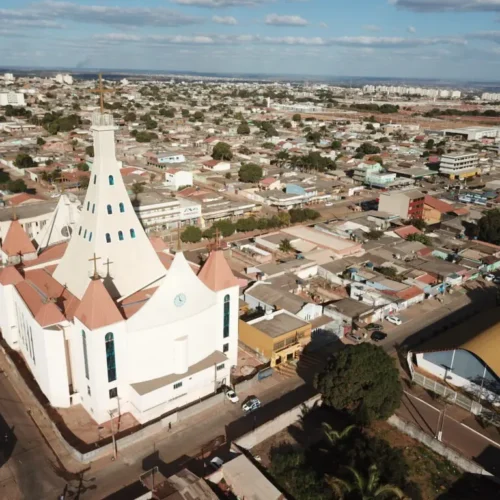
column 29, row 471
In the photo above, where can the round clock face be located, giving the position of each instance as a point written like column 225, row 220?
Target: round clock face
column 180, row 300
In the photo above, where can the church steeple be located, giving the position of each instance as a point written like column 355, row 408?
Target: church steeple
column 108, row 227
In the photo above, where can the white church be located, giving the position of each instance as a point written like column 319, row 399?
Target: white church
column 107, row 318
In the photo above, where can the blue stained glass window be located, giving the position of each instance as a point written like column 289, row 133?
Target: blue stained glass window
column 85, row 357
column 132, row 233
column 120, row 235
column 111, row 180
column 110, row 209
column 108, row 238
column 110, row 357
column 122, row 207
column 227, row 306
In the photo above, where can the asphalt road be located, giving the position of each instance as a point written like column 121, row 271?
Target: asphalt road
column 28, row 468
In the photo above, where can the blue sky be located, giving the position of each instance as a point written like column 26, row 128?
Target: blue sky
column 446, row 39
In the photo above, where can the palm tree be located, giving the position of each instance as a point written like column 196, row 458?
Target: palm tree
column 333, row 436
column 282, row 157
column 365, row 488
column 285, row 246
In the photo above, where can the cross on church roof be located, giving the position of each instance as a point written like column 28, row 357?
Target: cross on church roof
column 217, row 243
column 95, row 259
column 107, row 264
column 101, row 90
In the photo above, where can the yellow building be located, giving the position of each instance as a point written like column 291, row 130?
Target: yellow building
column 279, row 336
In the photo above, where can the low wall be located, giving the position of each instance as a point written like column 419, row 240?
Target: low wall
column 272, row 427
column 460, row 461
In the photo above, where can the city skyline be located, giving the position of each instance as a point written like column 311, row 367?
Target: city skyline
column 379, row 38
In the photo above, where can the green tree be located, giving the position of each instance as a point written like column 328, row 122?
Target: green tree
column 199, row 116
column 333, row 436
column 82, row 166
column 24, row 160
column 89, row 151
column 364, row 488
column 284, row 218
column 285, row 246
column 489, row 227
column 418, row 223
column 130, row 117
column 368, row 149
column 250, row 172
column 374, row 234
column 429, row 144
column 362, row 380
column 191, row 234
column 184, row 113
column 137, row 188
column 268, row 145
column 296, row 117
column 243, row 129
column 246, row 224
column 40, row 141
column 421, row 238
column 282, row 158
column 17, row 186
column 336, row 144
column 222, row 151
column 313, row 137
column 262, row 223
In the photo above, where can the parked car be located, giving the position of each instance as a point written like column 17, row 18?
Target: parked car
column 216, row 463
column 373, row 326
column 328, row 204
column 489, row 277
column 377, row 336
column 251, row 404
column 232, row 396
column 395, row 320
column 355, row 337
column 496, row 280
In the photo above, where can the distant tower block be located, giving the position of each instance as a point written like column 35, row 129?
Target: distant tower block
column 268, row 102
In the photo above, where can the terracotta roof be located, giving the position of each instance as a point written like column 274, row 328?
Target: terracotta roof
column 97, row 308
column 461, row 211
column 48, row 315
column 409, row 293
column 10, row 276
column 49, row 254
column 405, row 231
column 17, row 241
column 216, row 273
column 438, row 205
column 24, row 197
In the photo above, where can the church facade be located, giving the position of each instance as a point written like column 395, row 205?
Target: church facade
column 109, row 319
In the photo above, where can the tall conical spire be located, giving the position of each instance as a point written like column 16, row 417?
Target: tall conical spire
column 108, row 227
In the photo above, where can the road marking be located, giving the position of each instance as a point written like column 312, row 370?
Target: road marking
column 422, row 401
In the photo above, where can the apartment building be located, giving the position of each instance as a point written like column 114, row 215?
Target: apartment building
column 459, row 166
column 12, row 98
column 406, row 204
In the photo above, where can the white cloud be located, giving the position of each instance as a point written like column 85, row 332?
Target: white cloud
column 211, row 4
column 230, row 20
column 412, row 29
column 323, row 25
column 372, row 27
column 277, row 20
column 448, row 5
column 49, row 10
column 493, row 36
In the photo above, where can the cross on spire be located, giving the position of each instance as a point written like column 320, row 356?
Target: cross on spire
column 101, row 90
column 217, row 243
column 95, row 259
column 107, row 264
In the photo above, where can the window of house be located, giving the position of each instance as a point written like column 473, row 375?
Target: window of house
column 120, row 235
column 227, row 301
column 225, row 348
column 85, row 356
column 177, row 385
column 122, row 207
column 110, row 209
column 220, row 367
column 108, row 238
column 110, row 357
column 132, row 233
column 113, row 393
column 111, row 180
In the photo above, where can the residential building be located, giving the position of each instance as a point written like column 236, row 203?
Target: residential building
column 373, row 174
column 12, row 99
column 163, row 159
column 434, row 209
column 459, row 166
column 176, row 179
column 405, row 204
column 279, row 336
column 473, row 133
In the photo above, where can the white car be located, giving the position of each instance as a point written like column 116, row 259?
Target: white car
column 395, row 320
column 328, row 204
column 251, row 405
column 232, row 396
column 489, row 277
column 216, row 463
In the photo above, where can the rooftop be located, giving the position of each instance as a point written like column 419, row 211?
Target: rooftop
column 280, row 323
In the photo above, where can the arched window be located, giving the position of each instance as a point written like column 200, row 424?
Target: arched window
column 110, row 209
column 90, row 236
column 110, row 357
column 111, row 180
column 108, row 238
column 132, row 233
column 93, row 208
column 88, row 206
column 80, row 231
column 122, row 207
column 85, row 234
column 95, row 178
column 120, row 235
column 85, row 356
column 227, row 305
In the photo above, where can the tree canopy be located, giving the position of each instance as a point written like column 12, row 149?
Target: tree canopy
column 296, row 117
column 250, row 172
column 17, row 186
column 489, row 227
column 89, row 151
column 368, row 149
column 362, row 380
column 222, row 151
column 24, row 160
column 243, row 128
column 191, row 234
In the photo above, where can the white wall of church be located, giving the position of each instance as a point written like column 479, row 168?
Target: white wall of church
column 8, row 323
